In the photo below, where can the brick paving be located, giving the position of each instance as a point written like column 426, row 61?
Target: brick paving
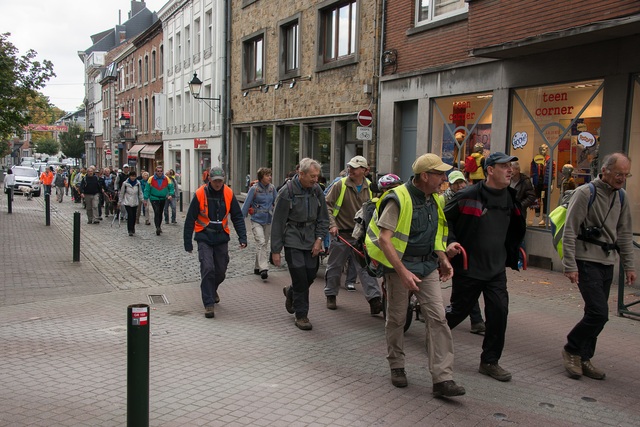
column 64, row 343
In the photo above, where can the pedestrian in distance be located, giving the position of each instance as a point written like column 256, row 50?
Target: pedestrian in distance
column 458, row 182
column 209, row 212
column 171, row 203
column 144, row 204
column 130, row 196
column 259, row 203
column 90, row 189
column 300, row 222
column 408, row 236
column 158, row 190
column 486, row 219
column 46, row 179
column 344, row 200
column 59, row 182
column 596, row 233
column 9, row 183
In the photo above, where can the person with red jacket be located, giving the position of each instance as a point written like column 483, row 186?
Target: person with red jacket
column 46, row 179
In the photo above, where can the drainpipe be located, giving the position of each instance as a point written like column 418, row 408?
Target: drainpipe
column 380, row 71
column 226, row 104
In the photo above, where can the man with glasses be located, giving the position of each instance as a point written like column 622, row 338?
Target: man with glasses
column 593, row 235
column 344, row 200
column 486, row 219
column 408, row 235
column 159, row 189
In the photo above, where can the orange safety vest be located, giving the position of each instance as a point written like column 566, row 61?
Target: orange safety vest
column 203, row 216
column 46, row 177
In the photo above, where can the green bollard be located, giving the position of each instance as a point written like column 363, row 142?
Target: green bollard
column 47, row 209
column 76, row 236
column 138, row 365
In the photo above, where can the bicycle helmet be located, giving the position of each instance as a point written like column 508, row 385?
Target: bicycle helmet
column 389, row 180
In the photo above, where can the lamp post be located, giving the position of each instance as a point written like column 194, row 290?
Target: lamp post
column 195, row 85
column 90, row 146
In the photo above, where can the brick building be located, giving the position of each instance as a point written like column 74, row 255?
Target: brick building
column 513, row 76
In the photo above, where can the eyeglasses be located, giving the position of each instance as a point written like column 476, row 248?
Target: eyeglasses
column 620, row 175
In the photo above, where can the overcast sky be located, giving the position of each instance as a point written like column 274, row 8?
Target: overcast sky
column 57, row 30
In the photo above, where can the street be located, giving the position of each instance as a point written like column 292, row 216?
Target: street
column 63, row 360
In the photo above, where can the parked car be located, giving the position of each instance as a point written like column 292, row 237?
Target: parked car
column 26, row 177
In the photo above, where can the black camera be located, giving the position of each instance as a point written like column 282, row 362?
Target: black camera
column 592, row 232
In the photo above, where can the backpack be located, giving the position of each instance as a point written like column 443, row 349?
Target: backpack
column 558, row 218
column 470, row 164
column 362, row 220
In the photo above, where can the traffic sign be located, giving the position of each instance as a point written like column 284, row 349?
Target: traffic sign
column 107, row 152
column 365, row 118
column 364, row 133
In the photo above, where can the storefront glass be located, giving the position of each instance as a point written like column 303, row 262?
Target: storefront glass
column 633, row 184
column 244, row 158
column 321, row 148
column 204, row 160
column 461, row 122
column 555, row 133
column 290, row 149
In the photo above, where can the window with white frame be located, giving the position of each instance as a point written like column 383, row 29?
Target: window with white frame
column 153, row 65
column 139, row 71
column 170, row 58
column 338, row 26
column 178, row 49
column 161, row 62
column 432, row 10
column 253, row 60
column 197, row 41
column 209, row 35
column 187, row 36
column 290, row 48
column 146, row 68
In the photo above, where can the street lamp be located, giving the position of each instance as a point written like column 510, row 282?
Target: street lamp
column 195, row 85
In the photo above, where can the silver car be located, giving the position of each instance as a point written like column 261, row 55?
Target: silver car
column 26, row 176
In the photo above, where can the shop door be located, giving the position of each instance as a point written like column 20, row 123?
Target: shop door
column 408, row 138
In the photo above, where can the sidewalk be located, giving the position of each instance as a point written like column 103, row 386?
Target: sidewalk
column 64, row 343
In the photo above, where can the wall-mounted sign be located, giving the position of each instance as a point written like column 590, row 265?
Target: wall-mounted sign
column 519, row 140
column 200, row 143
column 586, row 139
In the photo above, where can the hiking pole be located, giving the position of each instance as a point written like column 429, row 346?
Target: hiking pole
column 465, row 262
column 351, row 246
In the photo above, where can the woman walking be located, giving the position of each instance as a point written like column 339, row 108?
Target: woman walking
column 130, row 197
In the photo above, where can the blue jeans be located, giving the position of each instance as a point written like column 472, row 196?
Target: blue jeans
column 170, row 203
column 594, row 282
column 213, row 269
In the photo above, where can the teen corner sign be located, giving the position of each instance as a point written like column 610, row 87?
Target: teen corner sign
column 364, row 131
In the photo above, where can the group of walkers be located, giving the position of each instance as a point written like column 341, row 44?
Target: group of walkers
column 418, row 235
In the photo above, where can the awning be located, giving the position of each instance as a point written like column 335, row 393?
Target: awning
column 135, row 149
column 149, row 151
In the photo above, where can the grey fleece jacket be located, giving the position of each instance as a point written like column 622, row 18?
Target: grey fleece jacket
column 615, row 229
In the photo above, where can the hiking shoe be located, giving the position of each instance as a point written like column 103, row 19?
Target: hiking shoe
column 217, row 298
column 208, row 312
column 588, row 370
column 158, row 231
column 572, row 364
column 399, row 377
column 147, row 223
column 351, row 287
column 375, row 305
column 478, row 328
column 264, row 274
column 256, row 271
column 494, row 371
column 288, row 302
column 304, row 324
column 331, row 302
column 448, row 389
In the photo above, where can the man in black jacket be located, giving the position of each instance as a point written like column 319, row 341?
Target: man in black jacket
column 486, row 219
column 90, row 190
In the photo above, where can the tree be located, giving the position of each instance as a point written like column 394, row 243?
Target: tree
column 72, row 142
column 20, row 80
column 48, row 146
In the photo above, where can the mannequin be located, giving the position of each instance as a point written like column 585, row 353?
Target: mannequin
column 568, row 183
column 476, row 157
column 542, row 175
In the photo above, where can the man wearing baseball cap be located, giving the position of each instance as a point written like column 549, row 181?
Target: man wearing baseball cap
column 408, row 235
column 208, row 215
column 486, row 220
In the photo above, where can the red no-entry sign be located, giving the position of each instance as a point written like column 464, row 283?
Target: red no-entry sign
column 365, row 118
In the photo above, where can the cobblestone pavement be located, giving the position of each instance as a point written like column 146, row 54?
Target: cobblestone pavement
column 63, row 329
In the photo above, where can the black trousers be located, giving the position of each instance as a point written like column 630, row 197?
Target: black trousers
column 303, row 269
column 131, row 218
column 158, row 210
column 594, row 282
column 465, row 292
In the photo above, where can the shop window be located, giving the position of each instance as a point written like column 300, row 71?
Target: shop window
column 253, row 60
column 337, row 36
column 633, row 185
column 431, row 10
column 321, row 148
column 555, row 129
column 244, row 157
column 461, row 123
column 290, row 149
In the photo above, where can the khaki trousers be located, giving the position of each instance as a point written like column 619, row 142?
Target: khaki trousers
column 439, row 340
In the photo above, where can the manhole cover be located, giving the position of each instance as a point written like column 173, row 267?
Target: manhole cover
column 158, row 299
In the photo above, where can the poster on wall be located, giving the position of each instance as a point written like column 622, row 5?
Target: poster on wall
column 481, row 134
column 448, row 144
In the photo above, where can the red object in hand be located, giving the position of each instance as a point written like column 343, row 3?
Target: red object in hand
column 251, row 210
column 465, row 263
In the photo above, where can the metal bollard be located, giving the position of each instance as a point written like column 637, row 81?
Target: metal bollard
column 181, row 201
column 10, row 200
column 47, row 209
column 138, row 365
column 76, row 236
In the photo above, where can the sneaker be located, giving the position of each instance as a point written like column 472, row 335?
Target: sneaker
column 448, row 389
column 147, row 223
column 351, row 287
column 174, row 222
column 130, row 234
column 494, row 371
column 264, row 274
column 572, row 364
column 208, row 312
column 288, row 302
column 399, row 377
column 217, row 300
column 478, row 328
column 375, row 305
column 331, row 302
column 158, row 231
column 588, row 370
column 303, row 323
